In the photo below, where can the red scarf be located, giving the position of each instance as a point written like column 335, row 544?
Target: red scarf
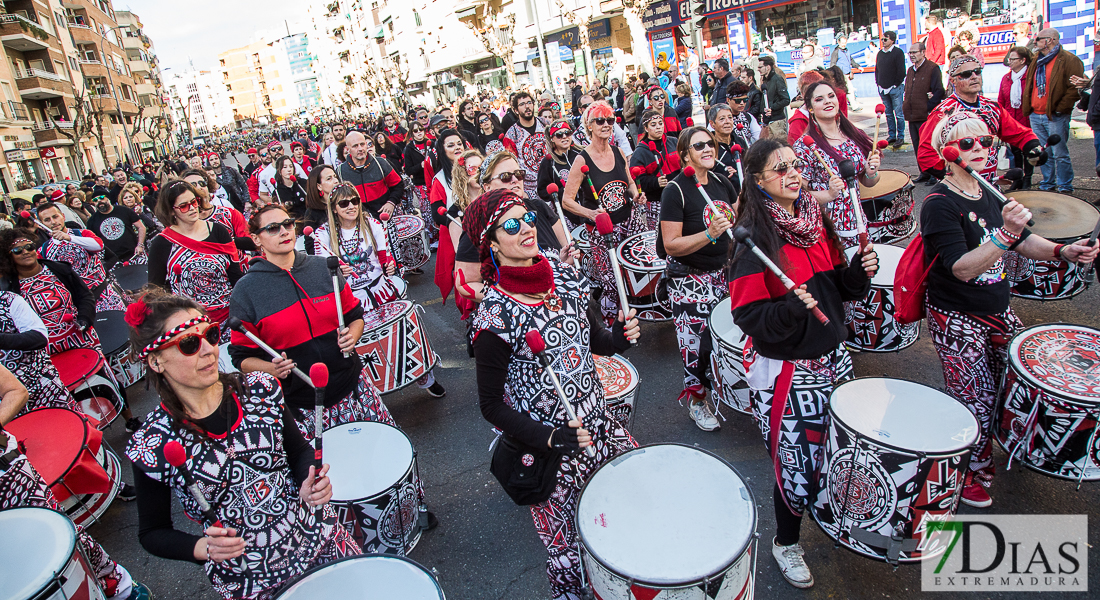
column 802, row 228
column 227, row 248
column 535, row 279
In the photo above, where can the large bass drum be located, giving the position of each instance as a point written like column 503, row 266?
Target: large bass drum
column 642, row 271
column 1061, row 219
column 365, row 578
column 40, row 559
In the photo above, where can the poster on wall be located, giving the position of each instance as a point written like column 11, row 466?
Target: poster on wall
column 663, row 45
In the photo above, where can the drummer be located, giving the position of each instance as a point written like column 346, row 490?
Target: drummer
column 555, row 166
column 696, row 243
column 23, row 352
column 793, row 361
column 966, row 233
column 534, row 292
column 656, row 156
column 461, row 189
column 227, row 216
column 241, row 441
column 83, row 250
column 360, row 244
column 22, row 486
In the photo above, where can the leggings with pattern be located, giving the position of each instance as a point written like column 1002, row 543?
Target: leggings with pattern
column 693, row 298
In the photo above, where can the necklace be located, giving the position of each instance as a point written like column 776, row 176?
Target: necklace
column 956, row 187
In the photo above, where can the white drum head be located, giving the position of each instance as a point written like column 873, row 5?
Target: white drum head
column 904, row 415
column 38, row 543
column 365, row 459
column 372, row 577
column 889, row 257
column 721, row 323
column 632, row 515
column 580, row 237
column 401, row 286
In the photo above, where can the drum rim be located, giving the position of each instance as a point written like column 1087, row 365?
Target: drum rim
column 684, row 584
column 1055, row 195
column 640, row 268
column 908, row 184
column 310, row 571
column 397, row 315
column 83, row 443
column 74, row 543
column 1014, row 347
column 714, row 332
column 941, row 454
column 631, row 368
column 408, row 471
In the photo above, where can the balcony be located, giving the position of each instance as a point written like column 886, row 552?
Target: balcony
column 140, row 66
column 105, row 103
column 133, row 42
column 84, row 34
column 46, row 135
column 36, row 84
column 145, row 89
column 20, row 33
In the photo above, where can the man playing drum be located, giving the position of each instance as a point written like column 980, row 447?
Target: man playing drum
column 83, row 250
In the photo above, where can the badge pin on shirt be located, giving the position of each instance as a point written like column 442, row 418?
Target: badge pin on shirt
column 973, row 217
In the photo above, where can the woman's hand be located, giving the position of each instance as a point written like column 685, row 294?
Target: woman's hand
column 591, row 216
column 317, row 488
column 390, row 267
column 282, row 366
column 640, row 199
column 870, row 261
column 345, row 270
column 569, row 254
column 570, row 438
column 388, row 208
column 631, row 329
column 1080, row 251
column 219, row 545
column 731, row 172
column 718, row 223
column 805, row 297
column 1016, row 216
column 345, row 340
column 836, row 185
column 873, row 162
column 662, row 180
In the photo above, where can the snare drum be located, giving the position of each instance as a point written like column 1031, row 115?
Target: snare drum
column 394, row 346
column 889, row 207
column 365, row 578
column 873, row 326
column 83, row 371
column 727, row 359
column 642, row 271
column 619, row 380
column 1061, row 219
column 373, row 471
column 632, row 546
column 114, row 336
column 895, row 457
column 40, row 558
column 409, row 245
column 131, row 277
column 68, row 452
column 1049, row 407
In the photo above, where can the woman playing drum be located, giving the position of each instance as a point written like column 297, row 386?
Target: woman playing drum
column 466, row 187
column 793, row 359
column 697, row 246
column 536, row 293
column 449, row 148
column 657, row 158
column 226, row 216
column 243, row 450
column 835, row 139
column 23, row 352
column 966, row 233
column 720, row 117
column 555, row 166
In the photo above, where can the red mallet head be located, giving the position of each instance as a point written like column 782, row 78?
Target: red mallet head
column 604, row 224
column 178, row 269
column 385, row 217
column 67, row 318
column 535, row 342
column 272, row 181
column 26, row 214
column 552, row 188
column 584, row 169
column 145, row 188
column 740, row 126
column 882, row 144
column 736, row 148
column 175, row 454
column 690, row 122
column 318, row 374
column 951, row 153
column 689, row 171
column 441, row 211
column 293, row 179
column 501, row 137
column 307, row 230
column 880, row 109
column 636, row 171
column 809, row 141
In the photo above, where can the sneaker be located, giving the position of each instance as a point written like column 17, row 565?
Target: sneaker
column 436, row 390
column 792, row 565
column 932, row 181
column 417, row 271
column 132, row 425
column 897, row 144
column 128, row 493
column 703, row 417
column 140, row 591
column 976, row 496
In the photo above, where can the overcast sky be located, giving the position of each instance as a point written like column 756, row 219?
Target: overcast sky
column 196, row 31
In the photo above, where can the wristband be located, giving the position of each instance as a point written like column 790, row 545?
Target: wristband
column 712, row 240
column 1008, row 235
column 1058, row 251
column 1004, row 240
column 998, row 243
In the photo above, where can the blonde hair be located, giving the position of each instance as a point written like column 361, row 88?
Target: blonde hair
column 957, row 126
column 346, row 191
column 493, row 162
column 460, row 181
column 131, row 187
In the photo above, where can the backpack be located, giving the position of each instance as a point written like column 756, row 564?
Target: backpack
column 911, row 283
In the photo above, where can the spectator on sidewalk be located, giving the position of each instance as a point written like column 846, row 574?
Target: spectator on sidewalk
column 968, row 42
column 773, row 88
column 923, row 91
column 842, row 57
column 1011, row 96
column 722, row 79
column 890, row 78
column 966, row 25
column 935, row 41
column 1048, row 101
column 1090, row 103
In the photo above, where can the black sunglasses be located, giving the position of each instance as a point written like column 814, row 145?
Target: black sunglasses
column 189, row 344
column 603, row 120
column 968, row 74
column 17, row 250
column 511, row 226
column 698, row 146
column 506, row 177
column 561, row 135
column 783, row 167
column 348, row 202
column 275, row 227
column 585, row 106
column 967, row 143
column 740, row 99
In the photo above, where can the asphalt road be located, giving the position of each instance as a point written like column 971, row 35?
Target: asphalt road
column 486, row 547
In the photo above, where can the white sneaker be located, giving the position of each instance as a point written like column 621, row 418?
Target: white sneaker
column 793, row 565
column 703, row 417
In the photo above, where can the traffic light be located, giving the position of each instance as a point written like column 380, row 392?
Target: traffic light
column 698, row 8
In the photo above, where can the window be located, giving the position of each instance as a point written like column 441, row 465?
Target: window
column 73, row 64
column 416, row 17
column 59, row 19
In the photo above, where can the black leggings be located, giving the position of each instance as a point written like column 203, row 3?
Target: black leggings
column 787, row 524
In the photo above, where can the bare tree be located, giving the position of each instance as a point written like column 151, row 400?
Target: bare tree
column 494, row 28
column 581, row 17
column 85, row 121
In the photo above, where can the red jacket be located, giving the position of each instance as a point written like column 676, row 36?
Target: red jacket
column 935, row 48
column 1004, row 95
column 996, row 118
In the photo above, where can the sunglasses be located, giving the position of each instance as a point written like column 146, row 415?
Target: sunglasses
column 740, row 100
column 483, row 120
column 190, row 344
column 968, row 143
column 506, row 177
column 698, row 146
column 585, row 106
column 187, row 206
column 561, row 135
column 783, row 167
column 968, row 74
column 17, row 250
column 511, row 226
column 263, row 155
column 603, row 120
column 349, row 202
column 275, row 227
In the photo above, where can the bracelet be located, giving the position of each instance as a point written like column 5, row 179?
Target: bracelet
column 998, row 243
column 1058, row 251
column 1006, row 241
column 712, row 240
column 1008, row 235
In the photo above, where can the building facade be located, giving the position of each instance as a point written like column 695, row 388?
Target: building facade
column 199, row 104
column 150, row 131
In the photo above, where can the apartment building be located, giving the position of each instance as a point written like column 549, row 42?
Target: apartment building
column 261, row 82
column 151, row 129
column 199, row 104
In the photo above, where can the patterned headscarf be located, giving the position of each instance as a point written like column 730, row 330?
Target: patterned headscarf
column 960, row 60
column 479, row 218
column 954, row 119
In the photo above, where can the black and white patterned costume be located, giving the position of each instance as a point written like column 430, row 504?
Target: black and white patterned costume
column 247, row 479
column 32, row 368
column 368, row 279
column 89, row 266
column 528, row 390
column 49, row 297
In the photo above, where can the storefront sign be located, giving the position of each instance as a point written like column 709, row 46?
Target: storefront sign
column 660, row 15
column 30, row 154
column 11, row 138
column 26, row 145
column 996, row 41
column 13, row 155
column 50, row 152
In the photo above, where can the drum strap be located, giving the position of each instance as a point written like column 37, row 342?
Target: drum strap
column 9, row 457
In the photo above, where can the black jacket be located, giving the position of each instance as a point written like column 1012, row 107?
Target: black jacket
column 890, row 67
column 778, row 97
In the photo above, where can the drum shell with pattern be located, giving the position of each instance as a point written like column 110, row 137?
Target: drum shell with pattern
column 40, row 558
column 872, row 326
column 895, row 457
column 85, row 372
column 889, row 207
column 584, row 245
column 114, row 337
column 373, row 471
column 394, row 346
column 642, row 271
column 409, row 245
column 619, row 380
column 624, row 524
column 727, row 359
column 1048, row 411
column 1061, row 219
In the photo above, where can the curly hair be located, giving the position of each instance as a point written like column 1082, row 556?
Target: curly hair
column 7, row 240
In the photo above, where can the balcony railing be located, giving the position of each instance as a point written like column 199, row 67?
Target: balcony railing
column 18, row 111
column 27, row 73
column 48, row 126
column 90, row 61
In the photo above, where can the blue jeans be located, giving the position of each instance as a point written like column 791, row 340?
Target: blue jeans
column 1096, row 143
column 1058, row 170
column 895, row 122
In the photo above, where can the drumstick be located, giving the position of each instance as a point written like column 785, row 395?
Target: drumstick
column 27, row 215
column 742, row 236
column 848, row 172
column 605, row 228
column 236, row 325
column 175, row 455
column 318, row 373
column 690, row 172
column 552, row 189
column 951, row 154
column 333, row 263
column 538, row 346
column 1089, row 272
column 809, row 141
column 879, row 110
column 737, row 150
column 595, row 194
column 443, row 213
